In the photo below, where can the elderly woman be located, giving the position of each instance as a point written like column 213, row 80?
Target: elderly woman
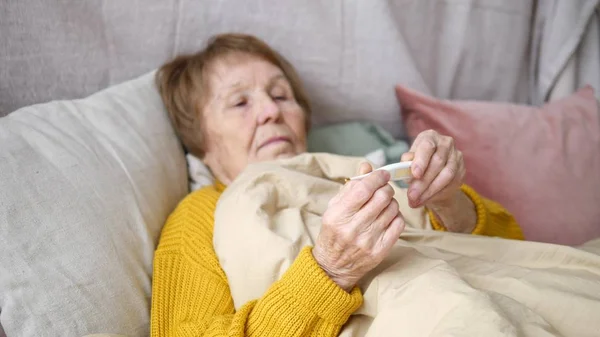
column 239, row 102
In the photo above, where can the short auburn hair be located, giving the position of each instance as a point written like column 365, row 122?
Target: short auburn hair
column 183, row 84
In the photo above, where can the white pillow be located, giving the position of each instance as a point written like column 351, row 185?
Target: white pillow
column 199, row 174
column 85, row 188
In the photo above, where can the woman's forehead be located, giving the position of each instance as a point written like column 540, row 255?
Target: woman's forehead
column 242, row 70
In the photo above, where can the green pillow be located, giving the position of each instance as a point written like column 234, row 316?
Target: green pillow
column 355, row 139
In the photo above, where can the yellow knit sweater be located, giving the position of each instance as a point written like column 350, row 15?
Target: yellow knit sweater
column 191, row 297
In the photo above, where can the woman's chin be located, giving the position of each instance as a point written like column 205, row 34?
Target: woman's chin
column 278, row 151
column 281, row 155
column 286, row 155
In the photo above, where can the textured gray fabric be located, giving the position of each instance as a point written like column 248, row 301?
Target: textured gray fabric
column 350, row 53
column 566, row 48
column 85, row 188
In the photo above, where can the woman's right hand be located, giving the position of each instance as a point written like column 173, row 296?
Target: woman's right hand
column 360, row 226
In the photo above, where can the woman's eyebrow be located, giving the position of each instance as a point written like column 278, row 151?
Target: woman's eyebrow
column 233, row 89
column 276, row 79
column 235, row 85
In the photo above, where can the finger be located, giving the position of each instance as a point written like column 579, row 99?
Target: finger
column 449, row 176
column 358, row 192
column 390, row 236
column 407, row 156
column 365, row 168
column 376, row 180
column 384, row 219
column 436, row 164
column 424, row 147
column 366, row 216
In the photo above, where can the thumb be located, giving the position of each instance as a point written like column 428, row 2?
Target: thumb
column 365, row 168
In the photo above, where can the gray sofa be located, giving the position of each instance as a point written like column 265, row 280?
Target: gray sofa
column 349, row 52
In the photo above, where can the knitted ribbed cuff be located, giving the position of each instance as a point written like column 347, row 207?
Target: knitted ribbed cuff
column 308, row 284
column 482, row 218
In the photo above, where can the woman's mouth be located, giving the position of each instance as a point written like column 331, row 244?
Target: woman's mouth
column 274, row 141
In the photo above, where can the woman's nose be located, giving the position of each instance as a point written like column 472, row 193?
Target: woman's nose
column 269, row 111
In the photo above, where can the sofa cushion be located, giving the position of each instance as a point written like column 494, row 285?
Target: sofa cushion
column 85, row 188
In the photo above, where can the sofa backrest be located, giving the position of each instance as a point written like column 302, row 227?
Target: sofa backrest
column 349, row 53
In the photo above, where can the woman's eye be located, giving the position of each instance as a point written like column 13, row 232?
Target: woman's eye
column 279, row 98
column 240, row 104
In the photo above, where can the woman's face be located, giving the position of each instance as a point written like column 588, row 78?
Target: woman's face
column 250, row 116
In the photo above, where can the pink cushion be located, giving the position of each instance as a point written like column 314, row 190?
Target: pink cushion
column 542, row 164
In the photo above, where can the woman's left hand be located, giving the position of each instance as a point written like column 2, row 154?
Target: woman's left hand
column 438, row 171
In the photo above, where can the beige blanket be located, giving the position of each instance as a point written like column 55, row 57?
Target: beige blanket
column 433, row 283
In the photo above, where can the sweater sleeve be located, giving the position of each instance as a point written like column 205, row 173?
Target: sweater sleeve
column 191, row 297
column 492, row 218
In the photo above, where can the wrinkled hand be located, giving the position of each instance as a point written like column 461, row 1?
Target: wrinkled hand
column 438, row 170
column 360, row 226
